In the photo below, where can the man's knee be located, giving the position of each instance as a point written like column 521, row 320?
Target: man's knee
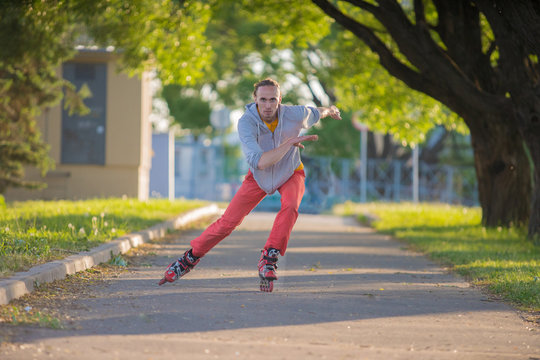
column 227, row 226
column 290, row 206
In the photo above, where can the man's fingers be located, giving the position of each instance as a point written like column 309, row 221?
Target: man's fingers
column 297, row 140
column 337, row 115
column 334, row 113
column 308, row 138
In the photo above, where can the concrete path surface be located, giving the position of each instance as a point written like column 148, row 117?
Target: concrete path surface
column 344, row 292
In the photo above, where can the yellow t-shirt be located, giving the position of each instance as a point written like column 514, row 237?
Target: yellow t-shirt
column 272, row 126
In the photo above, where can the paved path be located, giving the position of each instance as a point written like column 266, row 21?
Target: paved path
column 344, row 292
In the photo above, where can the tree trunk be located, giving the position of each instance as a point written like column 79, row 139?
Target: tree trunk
column 534, row 220
column 515, row 25
column 502, row 171
column 528, row 115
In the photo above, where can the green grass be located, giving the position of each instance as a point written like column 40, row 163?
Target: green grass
column 34, row 232
column 502, row 260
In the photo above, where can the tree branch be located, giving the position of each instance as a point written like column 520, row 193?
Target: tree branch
column 419, row 13
column 510, row 44
column 386, row 58
column 316, row 99
column 329, row 93
column 437, row 76
column 491, row 49
column 362, row 5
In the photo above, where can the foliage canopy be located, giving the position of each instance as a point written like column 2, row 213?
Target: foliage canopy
column 37, row 36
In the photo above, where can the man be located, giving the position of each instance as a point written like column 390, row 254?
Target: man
column 270, row 137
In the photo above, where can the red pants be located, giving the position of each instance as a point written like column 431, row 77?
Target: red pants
column 247, row 197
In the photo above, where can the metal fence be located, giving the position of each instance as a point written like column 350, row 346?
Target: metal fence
column 331, row 181
column 204, row 172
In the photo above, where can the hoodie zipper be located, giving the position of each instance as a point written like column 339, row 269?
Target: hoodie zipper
column 273, row 144
column 272, row 173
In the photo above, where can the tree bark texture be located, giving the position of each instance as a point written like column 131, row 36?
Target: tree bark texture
column 530, row 126
column 501, row 170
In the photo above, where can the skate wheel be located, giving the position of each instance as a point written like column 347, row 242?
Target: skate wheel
column 267, row 285
column 162, row 281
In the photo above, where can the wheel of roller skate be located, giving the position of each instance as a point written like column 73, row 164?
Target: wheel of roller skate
column 162, row 281
column 267, row 285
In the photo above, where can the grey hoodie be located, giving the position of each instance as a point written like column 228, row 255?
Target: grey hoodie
column 256, row 138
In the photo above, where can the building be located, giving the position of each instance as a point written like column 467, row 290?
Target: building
column 106, row 153
column 162, row 172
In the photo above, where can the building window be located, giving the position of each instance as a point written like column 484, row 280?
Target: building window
column 83, row 137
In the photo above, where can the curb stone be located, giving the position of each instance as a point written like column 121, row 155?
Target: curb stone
column 24, row 282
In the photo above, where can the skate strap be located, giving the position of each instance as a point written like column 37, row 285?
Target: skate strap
column 184, row 263
column 271, row 259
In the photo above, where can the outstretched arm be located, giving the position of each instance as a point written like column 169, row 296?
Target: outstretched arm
column 331, row 111
column 271, row 157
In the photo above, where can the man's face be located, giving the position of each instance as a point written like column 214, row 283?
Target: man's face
column 268, row 99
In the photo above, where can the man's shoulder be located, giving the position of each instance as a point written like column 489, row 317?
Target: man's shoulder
column 296, row 111
column 247, row 123
column 292, row 107
column 249, row 113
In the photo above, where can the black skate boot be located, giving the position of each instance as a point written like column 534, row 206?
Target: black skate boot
column 267, row 269
column 180, row 267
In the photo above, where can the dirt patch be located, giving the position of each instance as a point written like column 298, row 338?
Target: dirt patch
column 532, row 317
column 46, row 305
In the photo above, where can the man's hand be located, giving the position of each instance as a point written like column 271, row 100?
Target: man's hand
column 331, row 111
column 297, row 141
column 334, row 113
column 271, row 157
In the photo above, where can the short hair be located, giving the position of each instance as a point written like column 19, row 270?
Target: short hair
column 265, row 82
